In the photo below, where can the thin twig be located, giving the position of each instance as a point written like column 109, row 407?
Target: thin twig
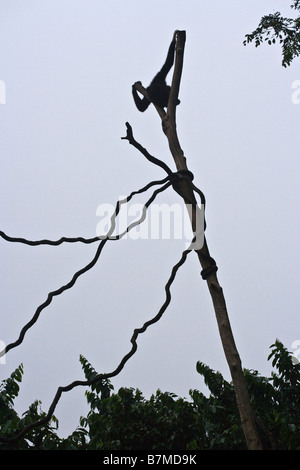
column 138, row 146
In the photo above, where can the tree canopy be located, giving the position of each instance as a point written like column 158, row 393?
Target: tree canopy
column 127, row 421
column 275, row 27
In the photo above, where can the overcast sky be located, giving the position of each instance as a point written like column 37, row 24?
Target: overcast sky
column 68, row 67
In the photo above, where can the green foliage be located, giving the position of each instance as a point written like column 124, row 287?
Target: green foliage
column 274, row 27
column 9, row 390
column 126, row 420
column 286, row 398
column 102, row 387
column 11, row 424
column 218, row 412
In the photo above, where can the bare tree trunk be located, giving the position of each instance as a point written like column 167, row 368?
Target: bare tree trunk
column 208, row 264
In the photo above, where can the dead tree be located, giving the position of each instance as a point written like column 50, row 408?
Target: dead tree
column 185, row 188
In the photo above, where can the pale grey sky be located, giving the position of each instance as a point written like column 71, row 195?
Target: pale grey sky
column 68, row 67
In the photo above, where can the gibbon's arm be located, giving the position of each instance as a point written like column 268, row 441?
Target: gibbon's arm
column 141, row 103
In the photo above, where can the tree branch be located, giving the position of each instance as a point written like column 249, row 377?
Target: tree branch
column 209, row 268
column 132, row 141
